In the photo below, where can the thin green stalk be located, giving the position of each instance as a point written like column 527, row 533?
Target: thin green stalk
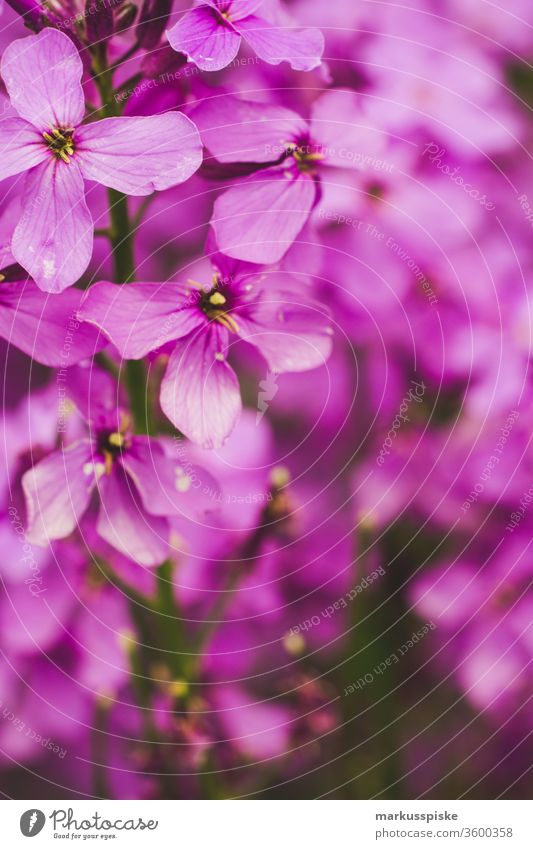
column 121, row 234
column 161, row 610
column 370, row 645
column 170, row 624
column 105, row 362
column 99, row 750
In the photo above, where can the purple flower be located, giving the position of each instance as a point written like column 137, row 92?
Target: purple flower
column 53, row 239
column 258, row 219
column 45, row 326
column 484, row 613
column 138, row 485
column 200, row 391
column 211, row 34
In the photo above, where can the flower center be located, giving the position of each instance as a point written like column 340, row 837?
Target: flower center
column 215, row 306
column 305, row 155
column 225, row 11
column 60, row 142
column 111, row 443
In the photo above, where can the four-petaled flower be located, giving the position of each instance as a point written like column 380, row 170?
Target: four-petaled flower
column 210, row 36
column 258, row 219
column 53, row 239
column 200, row 392
column 139, row 486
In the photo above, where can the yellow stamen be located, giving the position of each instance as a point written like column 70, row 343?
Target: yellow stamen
column 217, row 299
column 280, row 476
column 178, row 689
column 60, row 143
column 125, row 421
column 293, row 643
column 108, row 462
column 226, row 320
column 116, row 439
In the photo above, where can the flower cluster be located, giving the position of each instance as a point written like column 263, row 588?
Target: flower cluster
column 265, row 321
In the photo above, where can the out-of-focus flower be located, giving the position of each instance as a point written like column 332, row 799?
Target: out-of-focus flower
column 210, row 34
column 484, row 613
column 137, row 485
column 258, row 219
column 44, row 326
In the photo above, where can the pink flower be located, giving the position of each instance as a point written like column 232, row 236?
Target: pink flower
column 211, row 34
column 138, row 485
column 53, row 239
column 200, row 392
column 46, row 327
column 258, row 219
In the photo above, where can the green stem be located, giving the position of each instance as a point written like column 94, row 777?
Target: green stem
column 99, row 750
column 170, row 625
column 105, row 362
column 124, row 264
column 121, row 234
column 373, row 640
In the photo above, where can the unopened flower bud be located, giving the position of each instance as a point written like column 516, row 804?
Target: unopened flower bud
column 152, row 22
column 125, row 17
column 98, row 20
column 33, row 12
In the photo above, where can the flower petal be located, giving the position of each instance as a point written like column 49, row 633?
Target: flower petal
column 237, row 130
column 168, row 485
column 57, row 492
column 348, row 136
column 206, row 38
column 28, row 624
column 200, row 392
column 259, row 219
column 235, row 9
column 125, row 524
column 43, row 74
column 141, row 154
column 292, row 332
column 259, row 730
column 95, row 394
column 141, row 317
column 21, row 147
column 302, row 48
column 53, row 239
column 46, row 326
